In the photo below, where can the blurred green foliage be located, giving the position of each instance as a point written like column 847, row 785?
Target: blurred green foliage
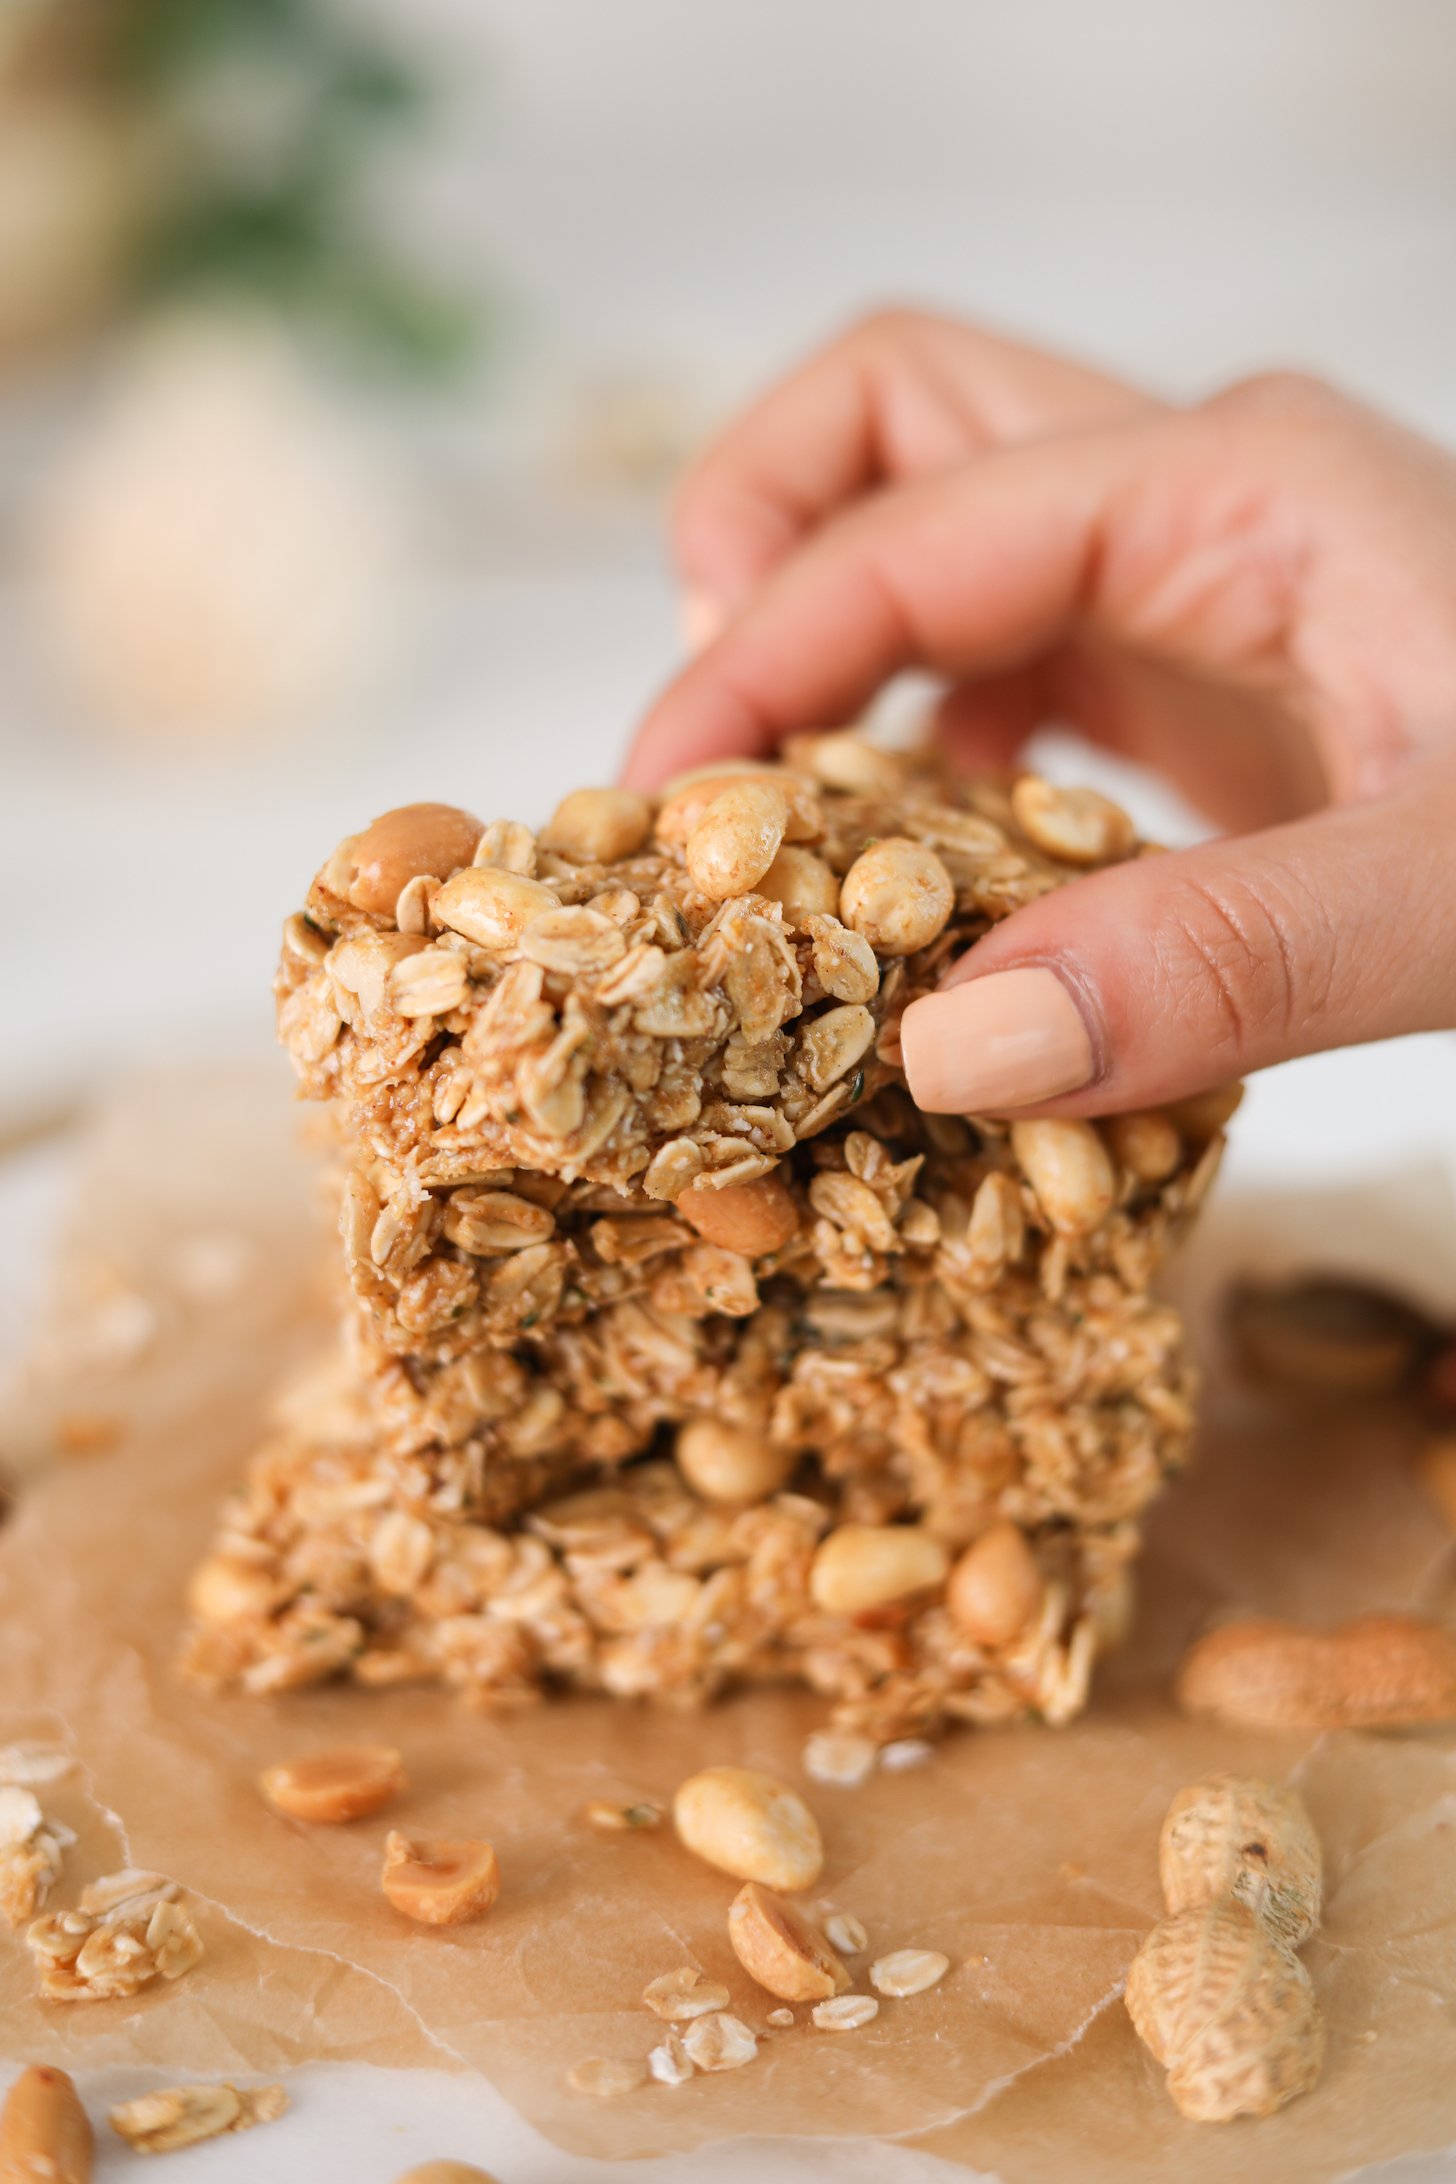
column 272, row 117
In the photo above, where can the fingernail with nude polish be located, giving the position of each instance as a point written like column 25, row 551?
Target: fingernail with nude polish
column 1007, row 1040
column 702, row 619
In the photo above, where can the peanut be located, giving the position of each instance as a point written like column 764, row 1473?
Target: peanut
column 803, row 884
column 187, row 2115
column 598, row 826
column 1146, row 1144
column 439, row 1884
column 860, row 1567
column 396, row 848
column 737, row 839
column 1229, row 2012
column 1253, row 1841
column 45, row 2133
column 845, row 761
column 1380, row 1671
column 1436, row 1469
column 1330, row 1336
column 227, row 1589
column 727, row 1463
column 679, row 1996
column 749, row 1825
column 491, row 907
column 1076, row 825
column 751, row 1218
column 1067, row 1166
column 996, row 1588
column 778, row 1947
column 897, row 895
column 445, row 2172
column 329, row 1787
column 688, row 795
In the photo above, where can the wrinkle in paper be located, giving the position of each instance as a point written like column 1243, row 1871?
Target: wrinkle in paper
column 1027, row 1855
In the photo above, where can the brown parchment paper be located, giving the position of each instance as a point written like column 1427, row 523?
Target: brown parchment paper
column 1027, row 1855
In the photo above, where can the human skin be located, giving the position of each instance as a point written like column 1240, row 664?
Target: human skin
column 1254, row 595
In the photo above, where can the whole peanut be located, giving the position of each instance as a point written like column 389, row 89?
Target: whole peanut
column 1253, row 1841
column 1379, row 1671
column 1228, row 2010
column 401, row 845
column 45, row 2134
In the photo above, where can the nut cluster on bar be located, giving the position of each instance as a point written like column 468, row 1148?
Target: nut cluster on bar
column 678, row 1348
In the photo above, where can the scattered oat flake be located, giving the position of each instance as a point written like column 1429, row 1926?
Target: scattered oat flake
column 905, row 1753
column 845, row 2012
column 606, row 2076
column 20, row 1815
column 843, row 1761
column 185, row 2115
column 682, row 1994
column 781, row 2017
column 908, row 1971
column 34, row 1765
column 720, row 2042
column 845, row 1933
column 670, row 2064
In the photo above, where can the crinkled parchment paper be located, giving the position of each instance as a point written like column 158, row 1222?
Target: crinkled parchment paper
column 1027, row 1855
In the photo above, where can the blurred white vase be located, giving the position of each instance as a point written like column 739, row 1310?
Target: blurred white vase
column 219, row 550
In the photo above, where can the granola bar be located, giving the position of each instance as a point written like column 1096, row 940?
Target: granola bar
column 623, row 1145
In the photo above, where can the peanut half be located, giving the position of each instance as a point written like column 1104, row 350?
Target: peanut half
column 440, row 1884
column 445, row 2172
column 1250, row 1840
column 1378, row 1671
column 749, row 1825
column 778, row 1947
column 326, row 1788
column 1229, row 2012
column 44, row 2131
column 751, row 1218
column 399, row 846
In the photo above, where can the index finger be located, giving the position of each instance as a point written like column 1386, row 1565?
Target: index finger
column 974, row 573
column 903, row 395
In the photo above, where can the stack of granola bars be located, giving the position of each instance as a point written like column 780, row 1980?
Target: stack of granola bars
column 679, row 1348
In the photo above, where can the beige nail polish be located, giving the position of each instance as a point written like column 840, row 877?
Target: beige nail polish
column 702, row 619
column 1003, row 1041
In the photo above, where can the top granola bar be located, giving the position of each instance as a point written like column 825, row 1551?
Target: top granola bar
column 656, row 994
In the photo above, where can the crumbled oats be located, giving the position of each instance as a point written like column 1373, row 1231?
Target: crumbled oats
column 845, row 1933
column 32, row 1850
column 845, row 2012
column 604, row 2077
column 185, row 2115
column 906, row 1753
column 719, row 2042
column 128, row 1930
column 680, row 1995
column 669, row 2063
column 843, row 1761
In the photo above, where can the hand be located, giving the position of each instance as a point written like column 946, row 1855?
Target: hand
column 1256, row 595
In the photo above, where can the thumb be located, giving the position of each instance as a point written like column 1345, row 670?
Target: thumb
column 1151, row 980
